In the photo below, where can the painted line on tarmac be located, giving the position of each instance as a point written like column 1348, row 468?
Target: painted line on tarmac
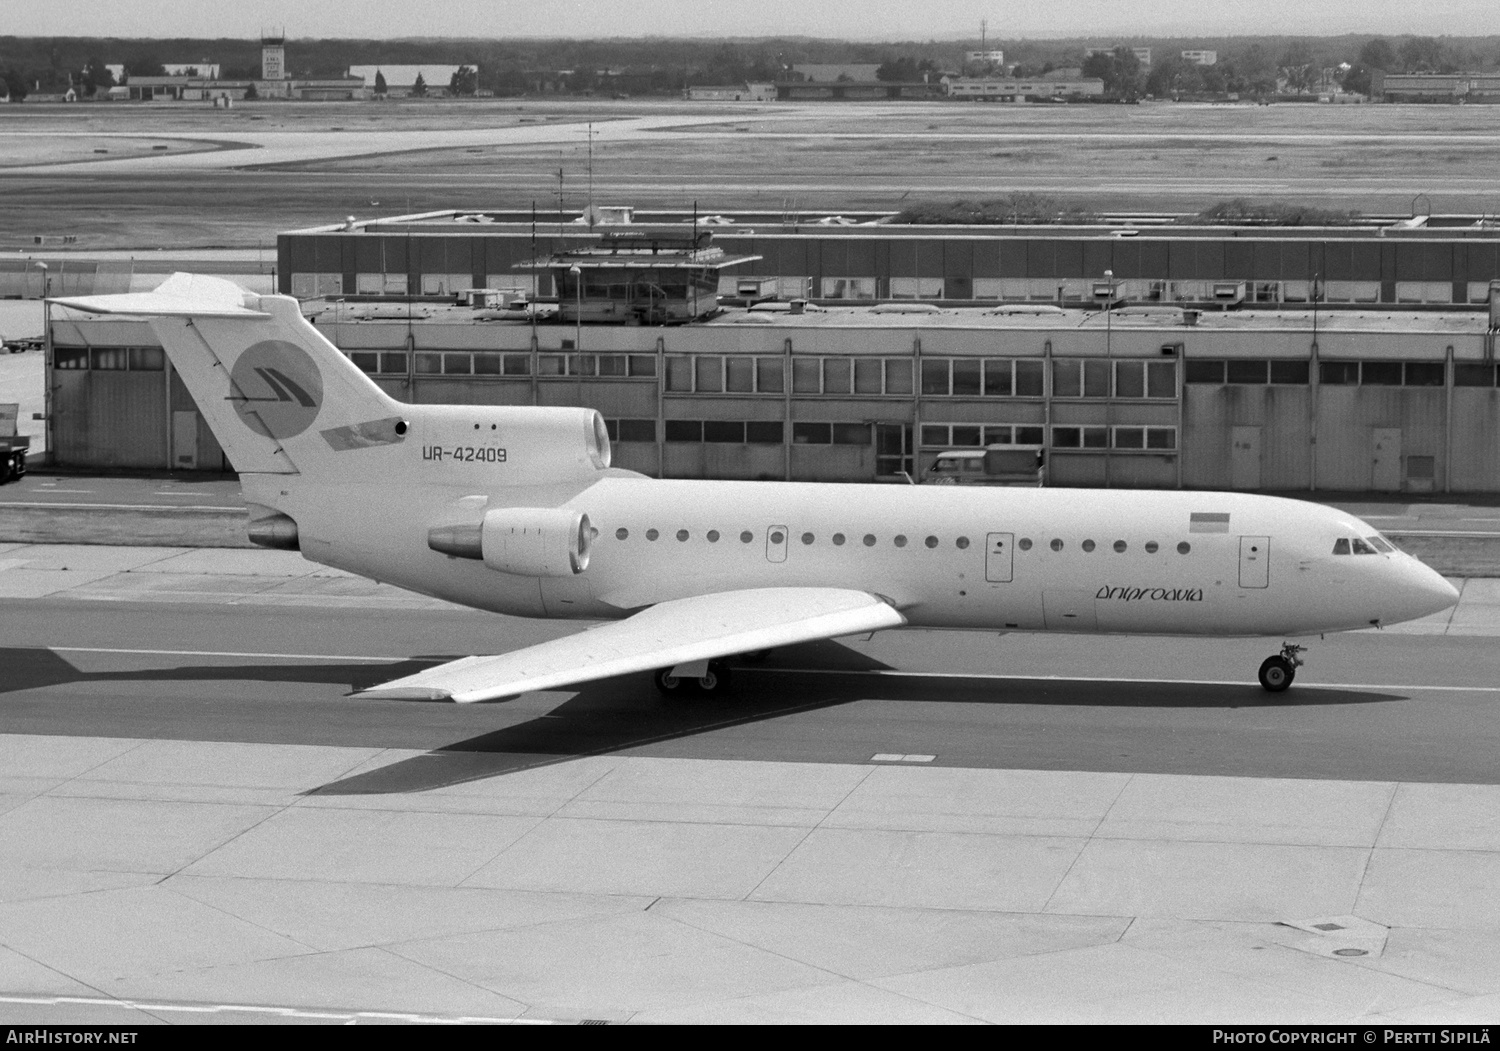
column 889, row 673
column 281, row 1012
column 1119, row 680
column 118, row 507
column 1456, row 534
column 234, row 653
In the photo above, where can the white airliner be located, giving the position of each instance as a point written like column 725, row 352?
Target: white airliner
column 517, row 510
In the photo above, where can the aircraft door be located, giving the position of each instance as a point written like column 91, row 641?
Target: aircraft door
column 776, row 543
column 1255, row 561
column 998, row 561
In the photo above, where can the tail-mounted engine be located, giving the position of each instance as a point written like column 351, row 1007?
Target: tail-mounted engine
column 526, row 541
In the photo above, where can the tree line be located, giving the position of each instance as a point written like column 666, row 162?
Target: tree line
column 1247, row 65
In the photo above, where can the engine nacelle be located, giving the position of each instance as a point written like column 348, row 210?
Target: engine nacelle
column 525, row 541
column 270, row 528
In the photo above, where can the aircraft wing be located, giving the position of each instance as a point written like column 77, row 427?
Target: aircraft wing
column 663, row 636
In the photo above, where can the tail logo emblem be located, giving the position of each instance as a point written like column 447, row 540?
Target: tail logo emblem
column 276, row 389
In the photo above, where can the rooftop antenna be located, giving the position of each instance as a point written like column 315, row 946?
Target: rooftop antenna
column 591, row 175
column 984, row 27
column 531, row 292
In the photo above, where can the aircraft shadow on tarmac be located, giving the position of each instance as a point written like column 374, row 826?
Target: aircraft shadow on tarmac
column 616, row 715
column 621, row 714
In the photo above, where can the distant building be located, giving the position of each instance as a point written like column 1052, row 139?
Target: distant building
column 146, row 89
column 1412, row 87
column 858, row 90
column 985, row 58
column 1202, row 58
column 1141, row 53
column 192, row 69
column 1019, row 89
column 823, row 73
column 759, row 92
column 399, row 80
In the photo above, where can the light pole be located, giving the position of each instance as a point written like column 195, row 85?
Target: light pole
column 46, row 277
column 1109, row 309
column 577, row 273
column 46, row 353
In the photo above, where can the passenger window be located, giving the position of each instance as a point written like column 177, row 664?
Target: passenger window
column 1341, row 546
column 931, row 541
column 1120, row 546
column 777, row 537
column 621, row 533
column 1088, row 545
column 1056, row 545
column 869, row 540
column 1026, row 543
column 682, row 534
column 1362, row 548
column 652, row 534
column 807, row 538
column 900, row 541
column 713, row 536
column 962, row 542
column 1151, row 547
column 746, row 537
column 838, row 539
column 1184, row 547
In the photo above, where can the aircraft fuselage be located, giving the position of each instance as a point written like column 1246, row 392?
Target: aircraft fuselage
column 1072, row 560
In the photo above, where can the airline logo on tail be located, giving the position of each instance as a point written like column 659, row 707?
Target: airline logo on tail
column 276, row 389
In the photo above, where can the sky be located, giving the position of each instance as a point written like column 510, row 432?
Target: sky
column 846, row 19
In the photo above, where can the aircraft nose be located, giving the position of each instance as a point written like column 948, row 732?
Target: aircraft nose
column 1425, row 592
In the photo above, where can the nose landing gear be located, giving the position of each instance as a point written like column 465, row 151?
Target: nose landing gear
column 1277, row 673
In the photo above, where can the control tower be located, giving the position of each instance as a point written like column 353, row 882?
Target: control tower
column 640, row 276
column 273, row 56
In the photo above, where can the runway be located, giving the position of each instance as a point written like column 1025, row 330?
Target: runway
column 197, row 823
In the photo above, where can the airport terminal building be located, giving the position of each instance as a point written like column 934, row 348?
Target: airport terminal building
column 859, row 353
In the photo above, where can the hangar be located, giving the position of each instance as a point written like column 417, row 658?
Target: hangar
column 1413, row 261
column 1147, row 397
column 1334, row 380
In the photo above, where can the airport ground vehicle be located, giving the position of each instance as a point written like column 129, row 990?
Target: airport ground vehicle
column 992, row 465
column 13, row 446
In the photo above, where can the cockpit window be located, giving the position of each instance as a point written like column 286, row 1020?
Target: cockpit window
column 1361, row 547
column 1355, row 546
column 1381, row 544
column 1341, row 546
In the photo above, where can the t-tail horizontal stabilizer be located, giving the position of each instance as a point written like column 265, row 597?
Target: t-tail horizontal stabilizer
column 181, row 295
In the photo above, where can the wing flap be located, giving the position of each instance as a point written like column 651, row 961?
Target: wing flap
column 667, row 634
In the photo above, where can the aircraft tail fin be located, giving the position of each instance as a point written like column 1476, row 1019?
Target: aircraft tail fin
column 280, row 398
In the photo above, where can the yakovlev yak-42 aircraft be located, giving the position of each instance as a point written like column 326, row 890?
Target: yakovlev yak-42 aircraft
column 517, row 510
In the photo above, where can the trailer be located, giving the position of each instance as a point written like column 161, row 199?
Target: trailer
column 13, row 446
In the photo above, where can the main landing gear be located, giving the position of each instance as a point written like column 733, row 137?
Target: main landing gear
column 697, row 678
column 1277, row 673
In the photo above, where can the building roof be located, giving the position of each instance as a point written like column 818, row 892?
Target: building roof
column 399, row 76
column 824, row 72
